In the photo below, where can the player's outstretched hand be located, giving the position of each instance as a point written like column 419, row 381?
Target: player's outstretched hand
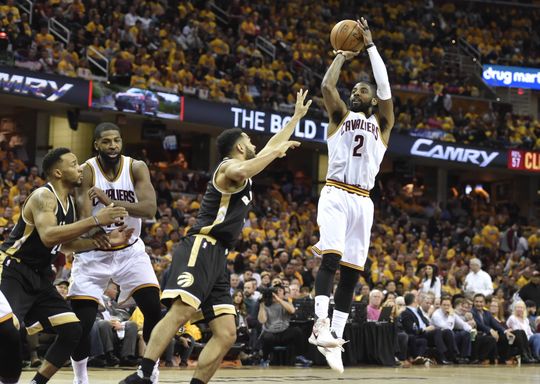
column 96, row 193
column 366, row 32
column 284, row 147
column 120, row 236
column 301, row 109
column 347, row 54
column 111, row 214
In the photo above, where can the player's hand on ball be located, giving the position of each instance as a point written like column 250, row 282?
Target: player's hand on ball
column 120, row 236
column 96, row 193
column 347, row 54
column 301, row 109
column 284, row 147
column 366, row 33
column 111, row 215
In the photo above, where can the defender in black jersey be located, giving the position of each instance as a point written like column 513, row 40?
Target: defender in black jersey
column 46, row 224
column 197, row 287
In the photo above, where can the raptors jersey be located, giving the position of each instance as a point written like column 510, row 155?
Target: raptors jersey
column 355, row 151
column 24, row 241
column 222, row 214
column 121, row 188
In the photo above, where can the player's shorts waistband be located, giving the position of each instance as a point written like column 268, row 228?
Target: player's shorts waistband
column 118, row 248
column 348, row 188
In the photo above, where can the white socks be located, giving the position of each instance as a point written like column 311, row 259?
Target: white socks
column 321, row 306
column 339, row 320
column 80, row 371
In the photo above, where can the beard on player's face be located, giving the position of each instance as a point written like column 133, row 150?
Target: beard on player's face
column 250, row 153
column 108, row 157
column 357, row 105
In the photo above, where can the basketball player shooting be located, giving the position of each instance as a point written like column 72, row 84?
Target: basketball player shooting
column 198, row 287
column 357, row 139
column 112, row 178
column 47, row 225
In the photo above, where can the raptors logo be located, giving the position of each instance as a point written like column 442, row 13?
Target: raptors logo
column 185, row 280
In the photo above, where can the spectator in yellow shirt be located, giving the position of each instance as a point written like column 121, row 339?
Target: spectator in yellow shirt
column 44, row 38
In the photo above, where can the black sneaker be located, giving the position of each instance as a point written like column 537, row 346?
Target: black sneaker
column 134, row 378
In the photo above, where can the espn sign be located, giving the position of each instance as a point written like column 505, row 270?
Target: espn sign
column 524, row 160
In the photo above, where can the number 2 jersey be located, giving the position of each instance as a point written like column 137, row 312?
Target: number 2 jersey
column 355, row 151
column 24, row 242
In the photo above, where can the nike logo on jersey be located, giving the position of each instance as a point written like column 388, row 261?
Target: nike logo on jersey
column 364, row 125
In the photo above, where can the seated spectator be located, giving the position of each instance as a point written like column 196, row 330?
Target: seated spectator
column 374, row 305
column 487, row 325
column 117, row 331
column 531, row 290
column 445, row 319
column 274, row 315
column 519, row 321
column 416, row 325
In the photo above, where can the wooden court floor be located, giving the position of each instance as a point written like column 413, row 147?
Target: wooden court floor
column 364, row 375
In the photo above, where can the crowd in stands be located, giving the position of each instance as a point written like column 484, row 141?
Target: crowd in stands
column 462, row 277
column 185, row 48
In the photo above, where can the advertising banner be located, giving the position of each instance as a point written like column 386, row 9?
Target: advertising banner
column 524, row 160
column 451, row 152
column 235, row 116
column 135, row 100
column 44, row 86
column 511, row 77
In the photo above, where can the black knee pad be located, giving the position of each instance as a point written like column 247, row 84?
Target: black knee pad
column 147, row 300
column 67, row 340
column 330, row 262
column 10, row 353
column 86, row 311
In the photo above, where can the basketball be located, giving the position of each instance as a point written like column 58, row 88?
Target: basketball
column 347, row 36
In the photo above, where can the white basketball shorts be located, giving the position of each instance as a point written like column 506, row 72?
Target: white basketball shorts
column 345, row 221
column 5, row 310
column 129, row 267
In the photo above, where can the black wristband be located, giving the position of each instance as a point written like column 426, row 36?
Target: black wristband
column 370, row 45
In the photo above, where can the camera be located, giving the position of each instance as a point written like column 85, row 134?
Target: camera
column 267, row 295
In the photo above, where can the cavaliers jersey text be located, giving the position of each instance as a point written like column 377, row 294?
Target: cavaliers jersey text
column 24, row 242
column 222, row 215
column 121, row 188
column 355, row 151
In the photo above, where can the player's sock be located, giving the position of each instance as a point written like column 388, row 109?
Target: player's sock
column 147, row 367
column 196, row 381
column 39, row 379
column 80, row 371
column 339, row 320
column 321, row 306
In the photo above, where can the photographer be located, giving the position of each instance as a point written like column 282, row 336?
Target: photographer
column 274, row 315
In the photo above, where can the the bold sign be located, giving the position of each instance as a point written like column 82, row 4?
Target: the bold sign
column 444, row 151
column 235, row 116
column 524, row 160
column 512, row 77
column 43, row 86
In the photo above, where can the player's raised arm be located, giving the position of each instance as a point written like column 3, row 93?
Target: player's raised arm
column 239, row 170
column 286, row 132
column 335, row 107
column 384, row 92
column 42, row 206
column 146, row 205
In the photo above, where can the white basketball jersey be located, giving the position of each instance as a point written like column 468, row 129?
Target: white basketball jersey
column 355, row 151
column 122, row 188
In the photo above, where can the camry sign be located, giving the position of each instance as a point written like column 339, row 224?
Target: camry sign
column 33, row 86
column 442, row 151
column 15, row 81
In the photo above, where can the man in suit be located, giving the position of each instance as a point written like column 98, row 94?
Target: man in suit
column 486, row 323
column 415, row 324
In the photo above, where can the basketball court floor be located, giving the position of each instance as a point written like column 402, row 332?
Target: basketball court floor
column 364, row 375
